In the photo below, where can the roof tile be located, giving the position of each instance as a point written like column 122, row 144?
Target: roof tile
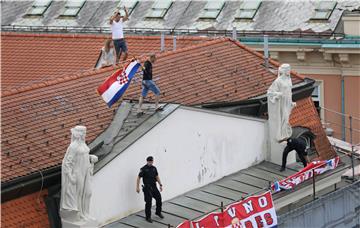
column 27, row 211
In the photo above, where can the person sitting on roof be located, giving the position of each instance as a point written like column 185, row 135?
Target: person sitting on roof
column 108, row 56
column 116, row 22
column 149, row 84
column 297, row 144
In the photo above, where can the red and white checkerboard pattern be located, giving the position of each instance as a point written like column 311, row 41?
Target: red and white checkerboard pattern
column 123, row 78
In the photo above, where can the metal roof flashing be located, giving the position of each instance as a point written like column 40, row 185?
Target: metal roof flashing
column 125, row 129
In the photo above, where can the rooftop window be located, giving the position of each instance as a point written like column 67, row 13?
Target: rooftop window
column 212, row 10
column 129, row 4
column 159, row 9
column 39, row 7
column 323, row 10
column 248, row 9
column 72, row 8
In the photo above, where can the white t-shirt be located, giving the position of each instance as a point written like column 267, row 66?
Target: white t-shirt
column 117, row 29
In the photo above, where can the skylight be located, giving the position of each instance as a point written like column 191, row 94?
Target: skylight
column 72, row 8
column 129, row 4
column 39, row 7
column 159, row 9
column 212, row 10
column 248, row 9
column 323, row 10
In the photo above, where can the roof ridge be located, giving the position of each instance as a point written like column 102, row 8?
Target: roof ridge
column 272, row 61
column 53, row 35
column 98, row 36
column 194, row 46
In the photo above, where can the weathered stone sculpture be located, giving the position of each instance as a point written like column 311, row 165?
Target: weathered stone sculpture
column 77, row 170
column 279, row 109
column 280, row 101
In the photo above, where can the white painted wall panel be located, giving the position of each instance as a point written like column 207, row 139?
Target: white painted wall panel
column 191, row 148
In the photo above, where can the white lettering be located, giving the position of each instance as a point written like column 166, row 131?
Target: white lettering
column 197, row 225
column 248, row 207
column 216, row 218
column 262, row 202
column 232, row 212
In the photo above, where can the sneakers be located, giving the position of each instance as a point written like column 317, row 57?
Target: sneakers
column 158, row 109
column 160, row 215
column 149, row 220
column 282, row 169
column 140, row 113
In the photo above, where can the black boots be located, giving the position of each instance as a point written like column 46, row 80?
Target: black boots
column 149, row 220
column 160, row 215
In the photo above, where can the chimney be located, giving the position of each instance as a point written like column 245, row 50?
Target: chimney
column 162, row 43
column 234, row 33
column 266, row 50
column 174, row 43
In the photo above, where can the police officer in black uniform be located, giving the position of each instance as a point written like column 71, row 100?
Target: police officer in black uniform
column 150, row 176
column 297, row 144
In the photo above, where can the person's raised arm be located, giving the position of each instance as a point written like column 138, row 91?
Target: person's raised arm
column 111, row 19
column 126, row 17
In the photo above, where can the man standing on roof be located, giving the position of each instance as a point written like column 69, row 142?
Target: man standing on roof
column 150, row 176
column 116, row 22
column 297, row 144
column 149, row 84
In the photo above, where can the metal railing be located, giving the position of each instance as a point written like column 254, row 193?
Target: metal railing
column 157, row 31
column 351, row 129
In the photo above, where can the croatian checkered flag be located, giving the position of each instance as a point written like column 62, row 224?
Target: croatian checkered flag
column 115, row 86
column 122, row 78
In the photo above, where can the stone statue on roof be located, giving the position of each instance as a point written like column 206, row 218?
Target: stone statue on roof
column 76, row 173
column 280, row 102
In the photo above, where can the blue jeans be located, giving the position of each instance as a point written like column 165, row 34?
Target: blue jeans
column 120, row 46
column 149, row 85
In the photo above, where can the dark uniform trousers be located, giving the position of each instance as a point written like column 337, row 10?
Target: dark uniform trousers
column 297, row 144
column 151, row 191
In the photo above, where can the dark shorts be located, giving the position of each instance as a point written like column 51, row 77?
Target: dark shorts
column 120, row 46
column 149, row 85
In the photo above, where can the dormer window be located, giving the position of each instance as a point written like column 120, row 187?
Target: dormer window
column 159, row 9
column 39, row 7
column 248, row 9
column 129, row 4
column 212, row 10
column 323, row 10
column 72, row 8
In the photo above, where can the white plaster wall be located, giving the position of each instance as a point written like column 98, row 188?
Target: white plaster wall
column 191, row 148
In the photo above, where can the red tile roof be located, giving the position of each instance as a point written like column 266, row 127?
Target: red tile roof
column 36, row 119
column 221, row 70
column 305, row 115
column 27, row 211
column 31, row 58
column 36, row 124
